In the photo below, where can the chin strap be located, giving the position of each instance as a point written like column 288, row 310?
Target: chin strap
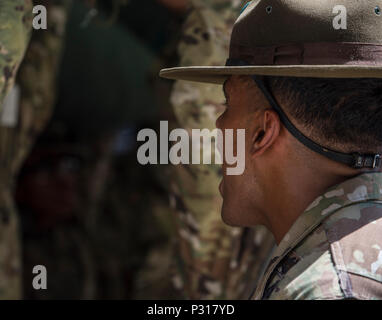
column 354, row 160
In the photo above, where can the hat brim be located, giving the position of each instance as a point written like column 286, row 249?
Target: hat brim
column 218, row 75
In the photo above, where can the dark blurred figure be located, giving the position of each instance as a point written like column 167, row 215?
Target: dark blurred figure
column 49, row 185
column 49, row 196
column 86, row 203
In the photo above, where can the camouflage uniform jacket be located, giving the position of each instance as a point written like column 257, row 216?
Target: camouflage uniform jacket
column 334, row 249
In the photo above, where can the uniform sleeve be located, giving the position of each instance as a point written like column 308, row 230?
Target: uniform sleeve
column 314, row 277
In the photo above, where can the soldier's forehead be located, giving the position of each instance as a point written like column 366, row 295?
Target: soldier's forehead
column 241, row 79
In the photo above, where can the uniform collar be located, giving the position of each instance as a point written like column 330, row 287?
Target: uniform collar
column 362, row 188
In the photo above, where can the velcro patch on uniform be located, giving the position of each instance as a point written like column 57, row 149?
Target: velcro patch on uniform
column 10, row 110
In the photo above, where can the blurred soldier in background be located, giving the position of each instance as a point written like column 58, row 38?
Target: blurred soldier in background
column 15, row 28
column 26, row 111
column 62, row 182
column 216, row 261
column 86, row 202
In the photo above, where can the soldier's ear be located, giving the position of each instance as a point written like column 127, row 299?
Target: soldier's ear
column 267, row 132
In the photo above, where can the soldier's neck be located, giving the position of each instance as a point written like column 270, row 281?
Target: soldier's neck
column 297, row 190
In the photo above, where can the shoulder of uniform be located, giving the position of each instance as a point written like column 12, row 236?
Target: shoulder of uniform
column 340, row 259
column 355, row 242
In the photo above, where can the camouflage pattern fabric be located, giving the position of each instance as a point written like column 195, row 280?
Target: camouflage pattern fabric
column 37, row 86
column 15, row 28
column 215, row 261
column 334, row 250
column 37, row 81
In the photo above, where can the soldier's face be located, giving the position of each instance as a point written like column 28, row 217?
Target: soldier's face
column 243, row 194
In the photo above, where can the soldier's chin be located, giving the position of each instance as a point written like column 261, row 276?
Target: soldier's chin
column 229, row 216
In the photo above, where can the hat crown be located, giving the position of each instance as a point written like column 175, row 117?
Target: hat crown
column 300, row 38
column 280, row 22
